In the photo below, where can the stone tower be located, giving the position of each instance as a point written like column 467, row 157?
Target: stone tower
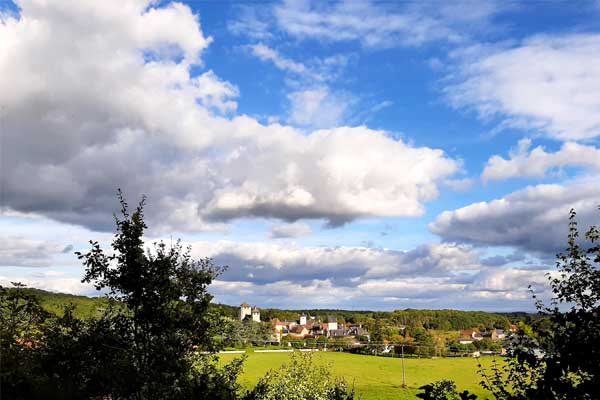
column 256, row 314
column 244, row 310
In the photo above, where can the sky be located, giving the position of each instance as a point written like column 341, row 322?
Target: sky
column 354, row 154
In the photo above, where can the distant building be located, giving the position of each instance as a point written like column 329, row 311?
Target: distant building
column 470, row 335
column 303, row 319
column 298, row 331
column 498, row 334
column 256, row 314
column 245, row 311
column 331, row 323
column 248, row 313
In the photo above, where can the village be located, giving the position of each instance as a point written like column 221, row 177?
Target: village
column 307, row 329
column 306, row 326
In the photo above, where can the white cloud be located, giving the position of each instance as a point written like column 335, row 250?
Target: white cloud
column 318, row 107
column 459, row 185
column 346, row 266
column 375, row 25
column 294, row 230
column 533, row 219
column 265, row 53
column 312, row 102
column 113, row 104
column 548, row 84
column 535, row 163
column 19, row 251
column 53, row 281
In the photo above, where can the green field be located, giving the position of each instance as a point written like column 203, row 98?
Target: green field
column 376, row 377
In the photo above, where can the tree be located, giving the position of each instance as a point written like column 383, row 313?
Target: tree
column 424, row 343
column 563, row 363
column 572, row 367
column 164, row 322
column 246, row 333
column 20, row 317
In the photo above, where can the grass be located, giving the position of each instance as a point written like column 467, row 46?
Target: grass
column 376, row 377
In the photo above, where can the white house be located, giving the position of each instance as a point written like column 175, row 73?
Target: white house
column 331, row 323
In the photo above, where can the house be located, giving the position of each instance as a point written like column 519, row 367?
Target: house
column 331, row 323
column 498, row 334
column 357, row 330
column 469, row 336
column 341, row 332
column 298, row 332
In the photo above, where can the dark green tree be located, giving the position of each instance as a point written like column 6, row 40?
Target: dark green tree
column 20, row 335
column 163, row 325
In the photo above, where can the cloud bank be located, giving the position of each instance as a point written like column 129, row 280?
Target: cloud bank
column 114, row 104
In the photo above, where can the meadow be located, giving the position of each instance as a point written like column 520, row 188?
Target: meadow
column 376, row 377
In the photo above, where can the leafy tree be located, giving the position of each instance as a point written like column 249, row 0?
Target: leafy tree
column 424, row 344
column 166, row 323
column 300, row 379
column 563, row 363
column 149, row 342
column 20, row 317
column 377, row 334
column 246, row 333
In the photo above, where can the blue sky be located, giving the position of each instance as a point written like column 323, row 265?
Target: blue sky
column 342, row 154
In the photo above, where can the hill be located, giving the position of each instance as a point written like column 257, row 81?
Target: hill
column 87, row 307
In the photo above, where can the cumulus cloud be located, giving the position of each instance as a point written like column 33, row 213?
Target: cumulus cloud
column 535, row 163
column 295, row 230
column 532, row 219
column 556, row 97
column 18, row 251
column 391, row 294
column 84, row 121
column 347, row 266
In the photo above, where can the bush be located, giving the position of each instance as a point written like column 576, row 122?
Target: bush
column 300, row 379
column 443, row 390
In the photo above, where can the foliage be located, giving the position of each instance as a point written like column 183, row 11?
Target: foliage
column 444, row 390
column 424, row 343
column 240, row 334
column 149, row 342
column 300, row 379
column 20, row 317
column 559, row 360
